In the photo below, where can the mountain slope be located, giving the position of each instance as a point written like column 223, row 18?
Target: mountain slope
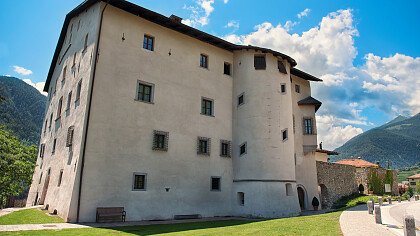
column 21, row 109
column 398, row 141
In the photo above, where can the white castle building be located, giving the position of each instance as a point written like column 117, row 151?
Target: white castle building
column 149, row 114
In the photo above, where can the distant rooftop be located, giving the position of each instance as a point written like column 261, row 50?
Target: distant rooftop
column 416, row 176
column 357, row 163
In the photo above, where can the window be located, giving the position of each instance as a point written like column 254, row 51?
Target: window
column 68, row 101
column 241, row 198
column 70, row 134
column 60, row 177
column 203, row 146
column 259, row 62
column 297, row 88
column 204, row 61
column 148, row 42
column 241, row 99
column 215, row 184
column 226, row 69
column 45, row 126
column 60, row 105
column 206, row 107
column 281, row 67
column 242, row 149
column 86, row 43
column 41, row 150
column 78, row 90
column 144, row 92
column 74, row 60
column 289, row 190
column 63, row 80
column 225, row 148
column 284, row 134
column 283, row 88
column 51, row 118
column 54, row 145
column 139, row 182
column 308, row 126
column 40, row 178
column 160, row 140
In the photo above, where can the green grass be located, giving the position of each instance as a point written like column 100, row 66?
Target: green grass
column 323, row 224
column 29, row 216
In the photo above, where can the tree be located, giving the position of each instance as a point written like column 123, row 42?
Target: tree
column 410, row 191
column 17, row 163
column 376, row 184
column 418, row 187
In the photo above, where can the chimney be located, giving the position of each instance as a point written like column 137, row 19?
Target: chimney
column 175, row 18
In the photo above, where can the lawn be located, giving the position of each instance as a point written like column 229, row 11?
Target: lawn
column 29, row 216
column 323, row 224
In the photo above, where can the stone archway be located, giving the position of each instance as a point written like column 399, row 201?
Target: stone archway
column 325, row 198
column 302, row 197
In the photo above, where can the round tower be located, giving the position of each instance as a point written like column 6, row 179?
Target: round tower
column 263, row 159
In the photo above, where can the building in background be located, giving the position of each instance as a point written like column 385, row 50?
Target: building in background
column 149, row 114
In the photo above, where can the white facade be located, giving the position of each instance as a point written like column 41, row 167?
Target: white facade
column 114, row 131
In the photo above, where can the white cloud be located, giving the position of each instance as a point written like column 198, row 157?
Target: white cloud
column 199, row 14
column 304, row 13
column 387, row 84
column 232, row 24
column 225, row 1
column 7, row 75
column 21, row 70
column 39, row 86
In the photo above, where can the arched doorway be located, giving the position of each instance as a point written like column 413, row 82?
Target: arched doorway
column 302, row 197
column 324, row 196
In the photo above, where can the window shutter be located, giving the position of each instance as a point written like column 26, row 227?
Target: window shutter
column 70, row 132
column 259, row 62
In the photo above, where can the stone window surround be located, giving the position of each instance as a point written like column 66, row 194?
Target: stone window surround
column 287, row 135
column 243, row 99
column 212, row 106
column 241, row 198
column 208, row 146
column 283, row 85
column 206, row 65
column 229, row 143
column 166, row 140
column 152, row 92
column 145, row 181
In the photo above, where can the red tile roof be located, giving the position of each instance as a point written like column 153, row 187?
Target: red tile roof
column 417, row 176
column 356, row 163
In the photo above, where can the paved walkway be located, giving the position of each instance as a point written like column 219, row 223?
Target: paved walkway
column 6, row 211
column 393, row 216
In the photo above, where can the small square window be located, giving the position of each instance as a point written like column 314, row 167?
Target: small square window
column 160, row 140
column 242, row 149
column 215, row 184
column 203, row 146
column 148, row 42
column 283, row 88
column 241, row 99
column 226, row 69
column 204, row 61
column 206, row 107
column 225, row 148
column 259, row 62
column 241, row 198
column 139, row 181
column 297, row 88
column 284, row 134
column 144, row 92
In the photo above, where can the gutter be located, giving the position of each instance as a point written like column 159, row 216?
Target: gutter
column 88, row 113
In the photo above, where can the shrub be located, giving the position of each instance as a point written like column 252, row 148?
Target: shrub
column 315, row 202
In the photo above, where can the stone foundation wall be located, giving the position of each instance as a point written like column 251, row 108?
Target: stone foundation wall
column 335, row 181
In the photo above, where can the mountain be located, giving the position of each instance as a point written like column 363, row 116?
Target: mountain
column 21, row 109
column 397, row 141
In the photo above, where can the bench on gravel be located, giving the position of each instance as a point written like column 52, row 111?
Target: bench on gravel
column 110, row 214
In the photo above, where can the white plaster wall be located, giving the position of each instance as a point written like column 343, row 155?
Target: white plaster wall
column 62, row 198
column 120, row 132
column 259, row 122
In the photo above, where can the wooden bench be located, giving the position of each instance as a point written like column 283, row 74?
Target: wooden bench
column 110, row 214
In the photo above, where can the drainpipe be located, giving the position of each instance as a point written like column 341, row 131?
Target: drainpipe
column 88, row 113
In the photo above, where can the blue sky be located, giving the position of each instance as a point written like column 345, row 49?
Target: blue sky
column 367, row 52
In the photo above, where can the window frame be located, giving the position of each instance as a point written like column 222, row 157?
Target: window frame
column 78, row 91
column 151, row 95
column 146, row 42
column 156, row 134
column 54, row 146
column 204, row 63
column 281, row 67
column 239, row 103
column 283, row 85
column 245, row 145
column 229, row 68
column 219, row 178
column 60, row 178
column 297, row 88
column 59, row 108
column 284, row 131
column 241, row 198
column 134, row 181
column 208, row 146
column 229, row 148
column 204, row 107
column 256, row 65
column 312, row 127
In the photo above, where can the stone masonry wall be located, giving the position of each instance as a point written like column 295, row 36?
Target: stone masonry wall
column 335, row 181
column 362, row 178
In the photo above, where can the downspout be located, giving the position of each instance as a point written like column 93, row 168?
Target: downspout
column 88, row 113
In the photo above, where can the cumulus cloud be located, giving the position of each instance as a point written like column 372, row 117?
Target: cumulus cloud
column 39, row 86
column 22, row 71
column 304, row 13
column 232, row 24
column 387, row 84
column 199, row 14
column 225, row 1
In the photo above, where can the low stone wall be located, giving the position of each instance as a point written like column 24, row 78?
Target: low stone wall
column 362, row 178
column 335, row 181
